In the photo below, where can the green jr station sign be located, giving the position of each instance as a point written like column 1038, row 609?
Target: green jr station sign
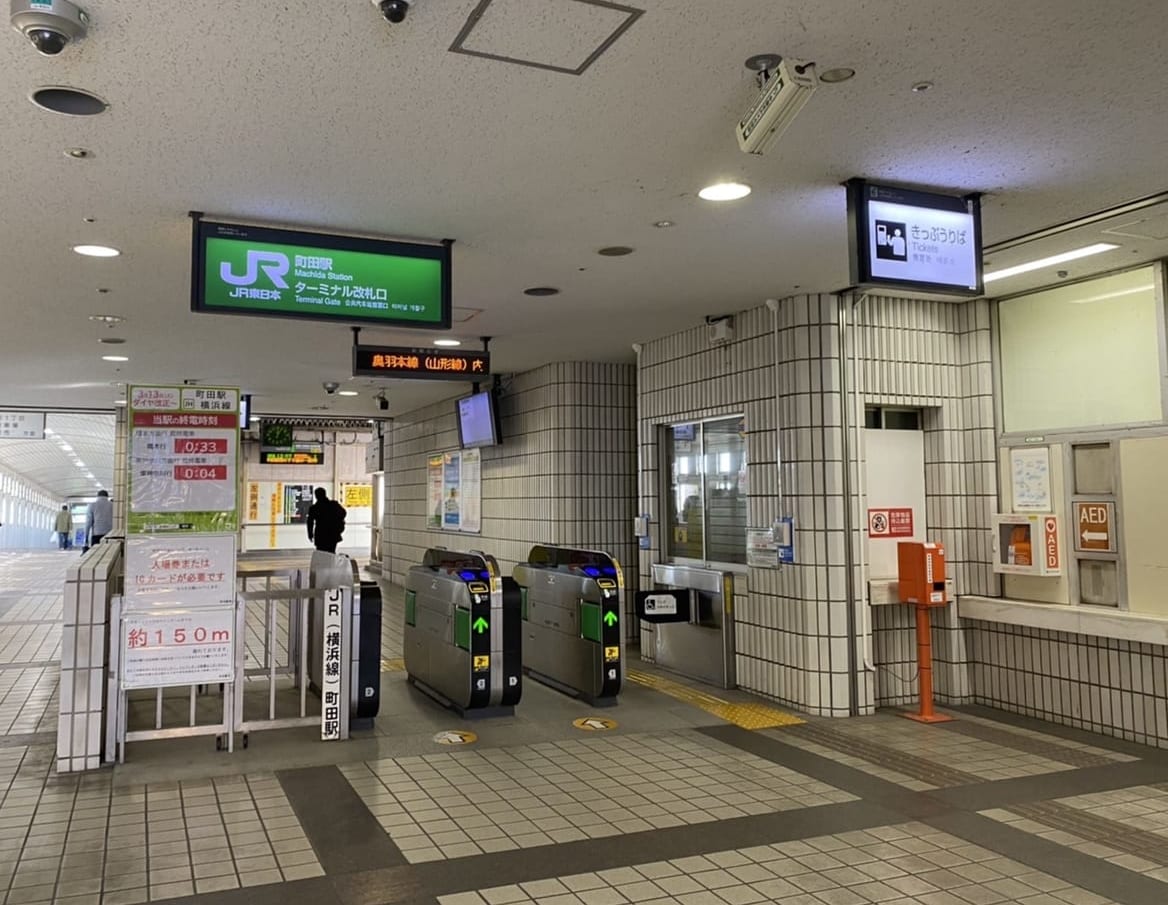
column 266, row 272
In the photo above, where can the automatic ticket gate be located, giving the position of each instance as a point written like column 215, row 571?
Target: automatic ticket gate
column 571, row 603
column 461, row 639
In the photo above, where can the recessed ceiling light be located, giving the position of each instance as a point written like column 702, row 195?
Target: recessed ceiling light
column 541, row 291
column 921, row 87
column 724, row 191
column 119, row 402
column 348, row 393
column 114, row 358
column 66, row 447
column 615, row 251
column 254, row 418
column 449, row 343
column 837, row 75
column 79, row 153
column 96, row 251
column 1073, row 255
column 68, row 101
column 663, row 224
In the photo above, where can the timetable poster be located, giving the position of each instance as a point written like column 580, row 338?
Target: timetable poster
column 184, row 451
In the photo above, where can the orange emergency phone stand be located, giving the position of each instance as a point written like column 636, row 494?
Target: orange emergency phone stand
column 921, row 581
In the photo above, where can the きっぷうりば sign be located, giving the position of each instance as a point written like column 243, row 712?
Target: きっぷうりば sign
column 268, row 272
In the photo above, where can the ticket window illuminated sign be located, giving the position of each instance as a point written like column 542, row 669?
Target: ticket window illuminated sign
column 389, row 361
column 917, row 241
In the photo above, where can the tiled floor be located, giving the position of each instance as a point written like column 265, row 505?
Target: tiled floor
column 467, row 803
column 897, row 865
column 673, row 806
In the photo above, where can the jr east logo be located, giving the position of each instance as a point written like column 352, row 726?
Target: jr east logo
column 275, row 267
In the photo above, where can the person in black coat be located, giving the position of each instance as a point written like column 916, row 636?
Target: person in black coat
column 326, row 522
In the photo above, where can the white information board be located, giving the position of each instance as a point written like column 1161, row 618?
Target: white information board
column 330, row 693
column 169, row 649
column 22, row 425
column 1030, row 478
column 185, row 571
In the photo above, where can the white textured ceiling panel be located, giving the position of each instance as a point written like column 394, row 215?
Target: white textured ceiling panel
column 321, row 114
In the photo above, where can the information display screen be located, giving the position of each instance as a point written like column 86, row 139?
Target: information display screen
column 391, row 361
column 478, row 423
column 266, row 272
column 300, row 454
column 918, row 241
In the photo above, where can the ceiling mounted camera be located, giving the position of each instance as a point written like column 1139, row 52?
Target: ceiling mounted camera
column 51, row 25
column 331, row 387
column 393, row 10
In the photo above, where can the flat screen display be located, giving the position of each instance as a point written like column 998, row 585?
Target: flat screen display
column 913, row 240
column 393, row 361
column 300, row 454
column 267, row 272
column 478, row 422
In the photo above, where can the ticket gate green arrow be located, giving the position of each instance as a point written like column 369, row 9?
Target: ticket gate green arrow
column 480, row 625
column 610, row 618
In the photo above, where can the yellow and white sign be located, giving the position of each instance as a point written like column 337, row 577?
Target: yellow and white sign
column 594, row 724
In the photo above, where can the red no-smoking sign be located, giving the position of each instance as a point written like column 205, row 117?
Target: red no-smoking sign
column 890, row 522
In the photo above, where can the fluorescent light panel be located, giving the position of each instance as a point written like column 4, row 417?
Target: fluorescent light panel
column 1073, row 255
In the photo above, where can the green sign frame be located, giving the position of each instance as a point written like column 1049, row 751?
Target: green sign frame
column 262, row 271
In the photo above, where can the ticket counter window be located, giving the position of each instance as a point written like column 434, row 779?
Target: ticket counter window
column 706, row 467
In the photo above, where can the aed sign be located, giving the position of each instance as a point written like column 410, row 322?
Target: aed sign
column 1094, row 527
column 391, row 361
column 1050, row 544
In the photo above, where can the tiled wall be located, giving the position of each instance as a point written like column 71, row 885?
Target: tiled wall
column 564, row 473
column 792, row 624
column 88, row 588
column 1113, row 687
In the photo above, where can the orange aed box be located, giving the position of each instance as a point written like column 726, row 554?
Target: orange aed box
column 921, row 573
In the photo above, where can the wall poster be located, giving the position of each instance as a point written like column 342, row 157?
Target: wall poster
column 1030, row 478
column 454, row 491
column 184, row 452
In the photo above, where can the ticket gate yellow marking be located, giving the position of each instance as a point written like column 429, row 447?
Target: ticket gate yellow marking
column 611, row 654
column 482, row 663
column 594, row 723
column 396, row 664
column 456, row 737
column 745, row 716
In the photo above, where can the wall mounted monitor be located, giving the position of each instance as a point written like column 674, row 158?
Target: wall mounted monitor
column 261, row 271
column 478, row 421
column 919, row 242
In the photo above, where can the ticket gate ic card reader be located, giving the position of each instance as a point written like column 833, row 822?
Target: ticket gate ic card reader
column 572, row 639
column 461, row 635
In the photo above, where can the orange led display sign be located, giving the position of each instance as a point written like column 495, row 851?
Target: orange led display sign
column 390, row 361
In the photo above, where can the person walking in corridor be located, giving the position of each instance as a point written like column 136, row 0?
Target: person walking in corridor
column 326, row 522
column 64, row 528
column 99, row 519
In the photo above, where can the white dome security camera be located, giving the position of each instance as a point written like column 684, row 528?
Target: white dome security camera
column 50, row 25
column 331, row 387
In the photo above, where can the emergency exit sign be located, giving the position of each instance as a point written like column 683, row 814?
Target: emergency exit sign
column 1094, row 526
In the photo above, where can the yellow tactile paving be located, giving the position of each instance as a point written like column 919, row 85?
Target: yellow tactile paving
column 745, row 716
column 397, row 664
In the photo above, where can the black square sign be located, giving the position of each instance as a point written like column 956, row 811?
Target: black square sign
column 891, row 240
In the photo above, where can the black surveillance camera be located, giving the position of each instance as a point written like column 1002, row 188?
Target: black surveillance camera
column 383, row 403
column 394, row 10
